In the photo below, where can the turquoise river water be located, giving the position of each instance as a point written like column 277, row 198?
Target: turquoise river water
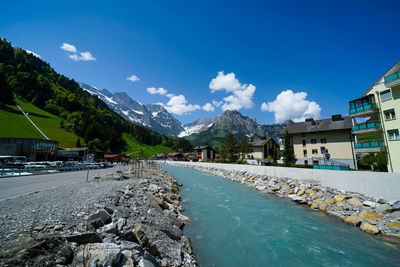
column 235, row 225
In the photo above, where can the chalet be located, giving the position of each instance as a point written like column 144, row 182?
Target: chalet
column 204, row 152
column 263, row 149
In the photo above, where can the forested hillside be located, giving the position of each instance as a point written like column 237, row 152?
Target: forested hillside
column 27, row 76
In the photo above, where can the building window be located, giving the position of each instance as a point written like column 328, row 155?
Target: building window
column 305, row 153
column 306, row 162
column 323, row 140
column 389, row 114
column 386, row 95
column 304, row 142
column 393, row 134
column 315, row 151
column 316, row 162
column 323, row 151
column 313, row 141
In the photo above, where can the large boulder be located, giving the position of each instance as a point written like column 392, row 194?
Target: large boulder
column 100, row 217
column 340, row 197
column 384, row 208
column 84, row 238
column 371, row 215
column 99, row 254
column 354, row 219
column 369, row 228
column 354, row 201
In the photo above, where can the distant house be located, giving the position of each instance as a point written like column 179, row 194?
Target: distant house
column 174, row 156
column 204, row 152
column 263, row 148
column 117, row 158
column 313, row 140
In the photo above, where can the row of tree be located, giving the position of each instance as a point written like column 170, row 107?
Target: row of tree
column 232, row 150
column 87, row 116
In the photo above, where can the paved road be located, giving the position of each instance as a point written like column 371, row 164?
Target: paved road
column 19, row 185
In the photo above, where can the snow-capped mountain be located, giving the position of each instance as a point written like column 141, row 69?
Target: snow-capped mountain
column 152, row 116
column 198, row 126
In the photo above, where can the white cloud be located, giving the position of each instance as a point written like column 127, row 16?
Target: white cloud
column 77, row 56
column 177, row 104
column 153, row 91
column 86, row 56
column 133, row 78
column 226, row 82
column 74, row 57
column 208, row 107
column 242, row 94
column 217, row 103
column 33, row 53
column 68, row 47
column 294, row 106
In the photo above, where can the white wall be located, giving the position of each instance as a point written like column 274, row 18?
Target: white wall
column 375, row 184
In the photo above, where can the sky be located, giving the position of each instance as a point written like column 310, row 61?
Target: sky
column 271, row 60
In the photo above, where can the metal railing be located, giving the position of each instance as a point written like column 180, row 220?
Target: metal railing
column 368, row 125
column 324, row 164
column 368, row 144
column 362, row 108
column 392, row 77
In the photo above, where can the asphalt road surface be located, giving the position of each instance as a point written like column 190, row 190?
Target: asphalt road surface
column 11, row 187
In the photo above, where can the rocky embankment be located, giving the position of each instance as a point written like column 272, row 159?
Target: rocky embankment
column 371, row 215
column 124, row 221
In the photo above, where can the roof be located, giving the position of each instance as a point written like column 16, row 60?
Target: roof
column 202, row 147
column 320, row 125
column 260, row 142
column 395, row 66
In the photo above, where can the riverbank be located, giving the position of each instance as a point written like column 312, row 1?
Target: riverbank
column 372, row 215
column 117, row 221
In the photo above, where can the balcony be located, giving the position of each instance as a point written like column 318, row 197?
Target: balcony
column 363, row 106
column 366, row 127
column 393, row 80
column 370, row 146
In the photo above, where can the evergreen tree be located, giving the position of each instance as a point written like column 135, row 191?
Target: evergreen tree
column 228, row 149
column 78, row 142
column 243, row 146
column 288, row 152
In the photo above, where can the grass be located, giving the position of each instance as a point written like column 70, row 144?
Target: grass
column 133, row 148
column 16, row 125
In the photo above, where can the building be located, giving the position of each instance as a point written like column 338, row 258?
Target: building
column 33, row 149
column 323, row 142
column 263, row 149
column 122, row 158
column 375, row 118
column 204, row 152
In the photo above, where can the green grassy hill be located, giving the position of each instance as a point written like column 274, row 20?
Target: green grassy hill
column 133, row 148
column 14, row 124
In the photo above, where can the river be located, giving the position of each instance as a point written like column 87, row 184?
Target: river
column 235, row 225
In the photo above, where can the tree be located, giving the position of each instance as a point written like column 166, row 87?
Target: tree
column 288, row 152
column 228, row 149
column 243, row 146
column 377, row 161
column 78, row 142
column 6, row 94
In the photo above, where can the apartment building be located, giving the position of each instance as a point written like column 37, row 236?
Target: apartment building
column 326, row 142
column 375, row 118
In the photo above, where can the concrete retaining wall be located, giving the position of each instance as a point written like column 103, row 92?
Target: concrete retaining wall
column 375, row 184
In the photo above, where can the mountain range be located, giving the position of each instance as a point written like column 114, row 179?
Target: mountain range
column 152, row 116
column 210, row 131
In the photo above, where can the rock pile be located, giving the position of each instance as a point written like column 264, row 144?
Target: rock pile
column 374, row 216
column 138, row 225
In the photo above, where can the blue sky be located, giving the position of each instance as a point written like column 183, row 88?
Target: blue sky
column 271, row 60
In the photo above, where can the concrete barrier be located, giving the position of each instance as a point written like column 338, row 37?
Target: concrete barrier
column 375, row 184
